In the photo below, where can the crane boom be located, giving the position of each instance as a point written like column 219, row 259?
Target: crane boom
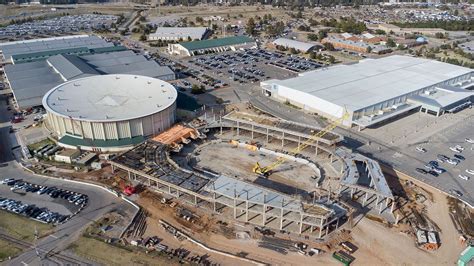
column 266, row 169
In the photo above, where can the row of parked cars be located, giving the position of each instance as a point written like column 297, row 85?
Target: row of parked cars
column 296, row 64
column 30, row 210
column 434, row 168
column 75, row 198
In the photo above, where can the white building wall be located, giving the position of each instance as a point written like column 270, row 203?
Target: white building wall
column 311, row 103
column 145, row 126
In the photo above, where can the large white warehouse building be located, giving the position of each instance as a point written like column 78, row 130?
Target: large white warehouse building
column 375, row 90
column 110, row 112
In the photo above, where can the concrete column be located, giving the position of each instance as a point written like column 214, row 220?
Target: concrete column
column 299, row 140
column 169, row 190
column 281, row 218
column 267, row 134
column 252, row 131
column 337, row 223
column 365, row 199
column 238, row 128
column 220, row 123
column 214, row 202
column 264, row 214
column 246, row 211
column 393, row 206
column 195, row 200
column 129, row 175
column 321, row 228
column 235, row 209
column 381, row 207
column 283, row 139
column 301, row 223
column 352, row 192
column 113, row 169
column 317, row 145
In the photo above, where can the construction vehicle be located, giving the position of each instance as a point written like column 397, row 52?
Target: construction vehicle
column 128, row 190
column 265, row 171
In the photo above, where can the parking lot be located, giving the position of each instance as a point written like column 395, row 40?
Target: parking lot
column 442, row 138
column 47, row 204
column 59, row 25
column 240, row 68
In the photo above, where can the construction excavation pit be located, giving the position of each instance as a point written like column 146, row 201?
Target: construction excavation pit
column 257, row 171
column 295, row 176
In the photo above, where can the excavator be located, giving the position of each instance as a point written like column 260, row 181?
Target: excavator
column 126, row 189
column 266, row 171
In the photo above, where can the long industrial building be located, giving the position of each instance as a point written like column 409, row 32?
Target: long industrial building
column 375, row 90
column 40, row 49
column 232, row 43
column 29, row 82
column 179, row 34
column 108, row 113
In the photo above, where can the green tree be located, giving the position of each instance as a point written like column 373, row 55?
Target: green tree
column 250, row 27
column 328, row 46
column 195, row 89
column 312, row 37
column 391, row 43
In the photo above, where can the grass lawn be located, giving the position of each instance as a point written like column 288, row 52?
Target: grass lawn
column 106, row 254
column 22, row 228
column 8, row 249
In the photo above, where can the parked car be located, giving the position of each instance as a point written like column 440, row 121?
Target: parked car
column 421, row 171
column 420, row 149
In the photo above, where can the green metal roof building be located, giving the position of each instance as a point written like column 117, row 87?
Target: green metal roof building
column 466, row 256
column 36, row 56
column 211, row 45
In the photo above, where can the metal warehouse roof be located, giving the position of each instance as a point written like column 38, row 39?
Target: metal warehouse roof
column 71, row 67
column 38, row 47
column 443, row 96
column 206, row 44
column 372, row 81
column 179, row 32
column 302, row 46
column 31, row 81
column 107, row 98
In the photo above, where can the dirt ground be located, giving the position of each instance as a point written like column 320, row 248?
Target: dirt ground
column 382, row 246
column 238, row 162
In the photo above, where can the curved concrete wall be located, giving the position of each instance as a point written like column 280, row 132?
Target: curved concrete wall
column 113, row 130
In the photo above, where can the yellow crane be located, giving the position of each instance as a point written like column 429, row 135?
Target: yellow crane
column 266, row 170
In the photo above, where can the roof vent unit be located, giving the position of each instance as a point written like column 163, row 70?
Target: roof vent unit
column 429, row 92
column 77, row 84
column 158, row 105
column 117, row 77
column 148, row 82
column 135, row 77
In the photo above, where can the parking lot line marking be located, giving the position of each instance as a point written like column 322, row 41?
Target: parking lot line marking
column 54, row 236
column 24, row 263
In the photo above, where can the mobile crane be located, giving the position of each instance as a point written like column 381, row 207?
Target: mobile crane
column 265, row 171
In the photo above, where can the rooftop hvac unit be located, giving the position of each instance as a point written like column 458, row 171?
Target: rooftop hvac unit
column 429, row 92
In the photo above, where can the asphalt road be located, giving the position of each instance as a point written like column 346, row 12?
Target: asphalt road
column 100, row 203
column 403, row 159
